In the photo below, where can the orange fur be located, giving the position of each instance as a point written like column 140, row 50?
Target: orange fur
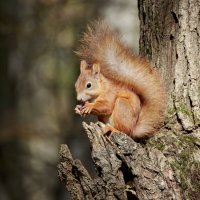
column 129, row 94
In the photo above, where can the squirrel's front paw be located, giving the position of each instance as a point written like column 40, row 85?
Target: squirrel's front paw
column 86, row 109
column 78, row 109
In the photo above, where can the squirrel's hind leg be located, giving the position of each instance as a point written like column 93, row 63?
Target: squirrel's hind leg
column 125, row 114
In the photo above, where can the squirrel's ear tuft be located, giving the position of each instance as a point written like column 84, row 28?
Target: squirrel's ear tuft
column 83, row 66
column 95, row 69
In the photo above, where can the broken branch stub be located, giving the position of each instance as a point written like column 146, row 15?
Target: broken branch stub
column 125, row 170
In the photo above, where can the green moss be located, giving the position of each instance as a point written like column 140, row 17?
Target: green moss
column 195, row 177
column 180, row 149
column 197, row 120
column 182, row 167
column 184, row 109
column 171, row 111
column 157, row 144
column 189, row 140
column 160, row 146
column 184, row 164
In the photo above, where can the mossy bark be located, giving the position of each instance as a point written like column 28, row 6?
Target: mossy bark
column 169, row 37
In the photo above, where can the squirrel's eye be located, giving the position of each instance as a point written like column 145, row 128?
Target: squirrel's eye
column 88, row 85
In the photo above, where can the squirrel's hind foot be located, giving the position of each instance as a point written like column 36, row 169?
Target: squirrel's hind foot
column 107, row 129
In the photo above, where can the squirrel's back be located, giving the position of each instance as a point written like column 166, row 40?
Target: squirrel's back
column 100, row 44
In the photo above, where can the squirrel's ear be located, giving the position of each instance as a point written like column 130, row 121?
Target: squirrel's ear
column 95, row 69
column 83, row 66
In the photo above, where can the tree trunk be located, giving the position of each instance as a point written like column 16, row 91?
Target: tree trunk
column 167, row 166
column 169, row 36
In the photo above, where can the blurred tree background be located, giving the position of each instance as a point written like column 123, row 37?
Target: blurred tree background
column 37, row 98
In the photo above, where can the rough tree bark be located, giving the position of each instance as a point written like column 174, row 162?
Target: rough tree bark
column 126, row 170
column 166, row 166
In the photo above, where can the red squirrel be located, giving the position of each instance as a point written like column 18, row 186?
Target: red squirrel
column 122, row 89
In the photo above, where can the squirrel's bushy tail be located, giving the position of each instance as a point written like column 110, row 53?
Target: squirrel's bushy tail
column 101, row 44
